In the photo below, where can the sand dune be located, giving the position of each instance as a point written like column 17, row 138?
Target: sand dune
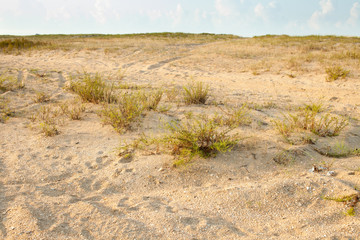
column 74, row 185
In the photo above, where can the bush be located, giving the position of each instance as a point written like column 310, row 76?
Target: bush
column 198, row 138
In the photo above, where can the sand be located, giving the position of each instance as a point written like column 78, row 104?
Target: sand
column 75, row 185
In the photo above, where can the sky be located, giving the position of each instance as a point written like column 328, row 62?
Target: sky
column 245, row 18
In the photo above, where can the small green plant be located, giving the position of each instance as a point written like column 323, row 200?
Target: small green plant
column 41, row 97
column 308, row 119
column 5, row 111
column 333, row 73
column 235, row 117
column 73, row 111
column 338, row 150
column 196, row 93
column 172, row 94
column 9, row 83
column 49, row 129
column 350, row 200
column 152, row 100
column 315, row 107
column 120, row 115
column 198, row 138
column 284, row 157
column 93, row 89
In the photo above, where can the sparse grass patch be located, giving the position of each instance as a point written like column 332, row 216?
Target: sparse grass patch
column 339, row 150
column 5, row 111
column 9, row 83
column 261, row 106
column 49, row 129
column 198, row 138
column 322, row 125
column 41, row 97
column 127, row 110
column 73, row 111
column 315, row 107
column 172, row 94
column 351, row 201
column 196, row 93
column 151, row 100
column 235, row 117
column 93, row 89
column 17, row 44
column 333, row 73
column 284, row 157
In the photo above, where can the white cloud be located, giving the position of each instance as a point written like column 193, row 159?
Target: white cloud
column 176, row 15
column 326, row 8
column 101, row 8
column 272, row 4
column 10, row 7
column 354, row 14
column 223, row 8
column 154, row 14
column 259, row 11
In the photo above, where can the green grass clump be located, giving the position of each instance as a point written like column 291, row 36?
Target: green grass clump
column 196, row 93
column 151, row 100
column 73, row 111
column 339, row 150
column 129, row 107
column 235, row 116
column 323, row 125
column 17, row 44
column 333, row 73
column 41, row 97
column 9, row 83
column 197, row 137
column 351, row 201
column 5, row 111
column 49, row 129
column 127, row 110
column 93, row 89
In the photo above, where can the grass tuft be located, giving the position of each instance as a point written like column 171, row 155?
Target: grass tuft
column 198, row 138
column 5, row 111
column 333, row 73
column 323, row 125
column 120, row 115
column 41, row 97
column 196, row 93
column 93, row 89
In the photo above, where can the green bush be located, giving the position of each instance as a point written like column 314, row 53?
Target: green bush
column 197, row 137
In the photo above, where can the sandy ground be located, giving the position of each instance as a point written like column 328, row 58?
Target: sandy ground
column 75, row 186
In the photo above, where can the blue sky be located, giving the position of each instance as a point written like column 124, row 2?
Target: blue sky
column 239, row 17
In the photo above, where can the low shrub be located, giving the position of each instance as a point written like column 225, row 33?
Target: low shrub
column 198, row 138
